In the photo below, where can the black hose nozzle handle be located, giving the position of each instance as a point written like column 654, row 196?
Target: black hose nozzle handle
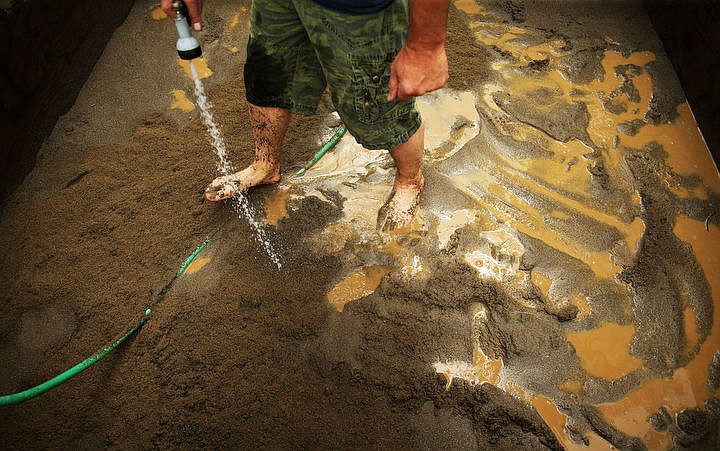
column 180, row 9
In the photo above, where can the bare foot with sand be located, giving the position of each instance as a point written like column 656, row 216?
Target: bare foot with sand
column 228, row 186
column 399, row 210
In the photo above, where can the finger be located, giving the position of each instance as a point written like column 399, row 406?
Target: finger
column 392, row 84
column 197, row 26
column 404, row 94
column 194, row 11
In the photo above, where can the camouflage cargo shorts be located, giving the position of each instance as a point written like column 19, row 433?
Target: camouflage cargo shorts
column 297, row 48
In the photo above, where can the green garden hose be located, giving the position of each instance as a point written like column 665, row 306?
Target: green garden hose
column 23, row 396
column 30, row 393
column 192, row 256
column 330, row 144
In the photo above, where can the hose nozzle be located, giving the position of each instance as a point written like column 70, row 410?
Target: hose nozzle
column 180, row 8
column 188, row 47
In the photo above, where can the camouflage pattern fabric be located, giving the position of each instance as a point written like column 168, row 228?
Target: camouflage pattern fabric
column 297, row 48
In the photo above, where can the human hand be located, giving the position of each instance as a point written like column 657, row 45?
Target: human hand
column 416, row 72
column 194, row 11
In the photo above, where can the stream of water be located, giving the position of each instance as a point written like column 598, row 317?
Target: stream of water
column 240, row 202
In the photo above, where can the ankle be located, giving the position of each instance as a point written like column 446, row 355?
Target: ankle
column 416, row 179
column 265, row 167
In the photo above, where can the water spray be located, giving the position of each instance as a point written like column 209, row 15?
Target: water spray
column 188, row 47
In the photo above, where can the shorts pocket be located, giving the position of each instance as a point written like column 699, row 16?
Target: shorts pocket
column 370, row 87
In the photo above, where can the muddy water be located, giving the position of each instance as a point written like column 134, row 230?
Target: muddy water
column 556, row 172
column 276, row 207
column 197, row 265
column 688, row 385
column 531, row 187
column 201, row 67
column 181, row 102
column 532, row 197
column 357, row 285
column 605, row 351
column 158, row 14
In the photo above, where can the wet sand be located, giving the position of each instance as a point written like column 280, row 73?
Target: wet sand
column 557, row 289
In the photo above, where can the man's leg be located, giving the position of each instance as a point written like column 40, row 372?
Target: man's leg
column 400, row 207
column 281, row 74
column 355, row 52
column 268, row 128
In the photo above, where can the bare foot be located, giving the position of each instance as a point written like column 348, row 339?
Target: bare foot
column 399, row 209
column 231, row 185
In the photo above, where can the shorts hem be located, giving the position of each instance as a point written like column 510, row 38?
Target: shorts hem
column 300, row 109
column 391, row 143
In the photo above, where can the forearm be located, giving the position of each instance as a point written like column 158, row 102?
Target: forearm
column 428, row 20
column 421, row 66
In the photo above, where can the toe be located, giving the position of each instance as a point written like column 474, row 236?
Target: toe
column 389, row 226
column 213, row 195
column 398, row 212
column 390, row 220
column 385, row 218
column 219, row 189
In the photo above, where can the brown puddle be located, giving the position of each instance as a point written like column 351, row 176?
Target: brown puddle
column 605, row 350
column 541, row 281
column 197, row 265
column 580, row 301
column 690, row 327
column 686, row 148
column 441, row 112
column 357, row 285
column 556, row 421
column 468, row 6
column 482, row 370
column 544, row 284
column 276, row 207
column 181, row 102
column 487, row 369
column 200, row 66
column 158, row 14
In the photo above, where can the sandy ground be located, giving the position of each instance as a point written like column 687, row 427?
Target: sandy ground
column 556, row 290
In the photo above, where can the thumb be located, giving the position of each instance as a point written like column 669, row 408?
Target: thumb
column 166, row 6
column 392, row 85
